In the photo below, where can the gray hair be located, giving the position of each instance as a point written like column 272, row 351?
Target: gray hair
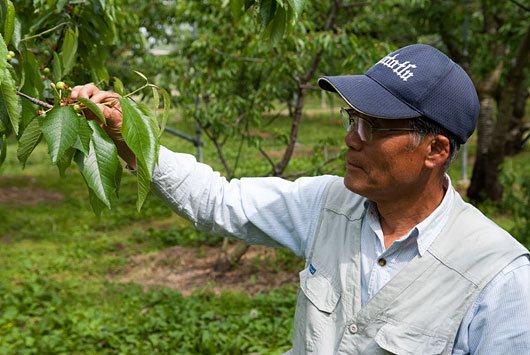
column 423, row 126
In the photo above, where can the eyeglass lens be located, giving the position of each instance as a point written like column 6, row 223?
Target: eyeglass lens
column 352, row 121
column 363, row 129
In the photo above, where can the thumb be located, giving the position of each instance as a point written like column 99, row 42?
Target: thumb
column 112, row 115
column 114, row 122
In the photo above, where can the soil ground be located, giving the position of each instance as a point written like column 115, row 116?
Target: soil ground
column 190, row 269
column 186, row 269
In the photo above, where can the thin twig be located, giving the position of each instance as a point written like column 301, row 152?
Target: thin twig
column 268, row 158
column 307, row 172
column 35, row 101
column 44, row 32
column 526, row 8
column 243, row 59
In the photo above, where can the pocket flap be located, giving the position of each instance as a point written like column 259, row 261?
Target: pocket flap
column 405, row 339
column 319, row 289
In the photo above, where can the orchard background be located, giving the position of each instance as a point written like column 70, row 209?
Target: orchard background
column 238, row 79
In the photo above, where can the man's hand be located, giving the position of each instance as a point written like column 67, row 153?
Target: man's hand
column 110, row 107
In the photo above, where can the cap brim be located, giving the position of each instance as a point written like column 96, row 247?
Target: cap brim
column 367, row 96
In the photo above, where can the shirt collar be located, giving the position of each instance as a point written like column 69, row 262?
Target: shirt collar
column 430, row 227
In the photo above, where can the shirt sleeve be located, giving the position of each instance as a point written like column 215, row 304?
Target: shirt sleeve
column 269, row 210
column 499, row 320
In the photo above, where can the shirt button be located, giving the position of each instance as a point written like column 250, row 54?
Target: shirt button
column 381, row 262
column 353, row 328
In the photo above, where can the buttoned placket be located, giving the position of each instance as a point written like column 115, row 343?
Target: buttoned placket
column 383, row 266
column 356, row 326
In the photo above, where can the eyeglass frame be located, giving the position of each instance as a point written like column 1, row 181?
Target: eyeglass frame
column 350, row 118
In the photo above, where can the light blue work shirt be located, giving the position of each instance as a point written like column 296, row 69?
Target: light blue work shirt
column 273, row 211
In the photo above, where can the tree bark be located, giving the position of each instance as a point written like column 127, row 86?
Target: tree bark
column 229, row 256
column 302, row 81
column 483, row 175
column 517, row 126
column 491, row 152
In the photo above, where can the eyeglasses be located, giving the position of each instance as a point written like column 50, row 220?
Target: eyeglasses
column 351, row 119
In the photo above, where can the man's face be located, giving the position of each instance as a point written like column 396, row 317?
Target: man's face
column 389, row 166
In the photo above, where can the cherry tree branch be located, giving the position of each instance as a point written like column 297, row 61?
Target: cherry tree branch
column 35, row 101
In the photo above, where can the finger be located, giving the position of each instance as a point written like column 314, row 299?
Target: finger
column 112, row 115
column 105, row 96
column 85, row 91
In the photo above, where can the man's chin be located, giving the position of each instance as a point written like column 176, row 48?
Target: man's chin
column 353, row 185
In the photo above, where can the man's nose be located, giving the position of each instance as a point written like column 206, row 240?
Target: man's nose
column 353, row 140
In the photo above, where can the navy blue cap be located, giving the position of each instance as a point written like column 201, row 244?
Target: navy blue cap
column 416, row 80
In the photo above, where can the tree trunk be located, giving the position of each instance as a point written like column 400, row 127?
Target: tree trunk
column 517, row 127
column 293, row 136
column 491, row 149
column 230, row 255
column 485, row 177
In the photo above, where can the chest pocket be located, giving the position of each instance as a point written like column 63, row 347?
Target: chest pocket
column 316, row 310
column 319, row 288
column 405, row 339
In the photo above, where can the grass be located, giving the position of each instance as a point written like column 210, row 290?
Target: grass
column 56, row 298
column 56, row 255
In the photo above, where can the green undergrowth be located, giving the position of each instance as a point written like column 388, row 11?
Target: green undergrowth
column 55, row 293
column 43, row 316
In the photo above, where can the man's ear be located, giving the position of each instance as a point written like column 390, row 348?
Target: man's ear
column 439, row 151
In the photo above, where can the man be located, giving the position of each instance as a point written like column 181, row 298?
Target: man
column 395, row 260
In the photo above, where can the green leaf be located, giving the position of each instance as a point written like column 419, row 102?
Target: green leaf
column 60, row 5
column 236, row 6
column 32, row 78
column 249, row 4
column 15, row 40
column 57, row 67
column 93, row 108
column 277, row 26
column 5, row 124
column 117, row 179
column 97, row 205
column 29, row 140
column 98, row 71
column 167, row 106
column 3, row 149
column 298, row 6
column 156, row 100
column 84, row 133
column 8, row 91
column 100, row 165
column 266, row 11
column 138, row 134
column 153, row 123
column 28, row 112
column 32, row 85
column 3, row 55
column 9, row 24
column 66, row 161
column 140, row 75
column 118, row 87
column 69, row 50
column 60, row 129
